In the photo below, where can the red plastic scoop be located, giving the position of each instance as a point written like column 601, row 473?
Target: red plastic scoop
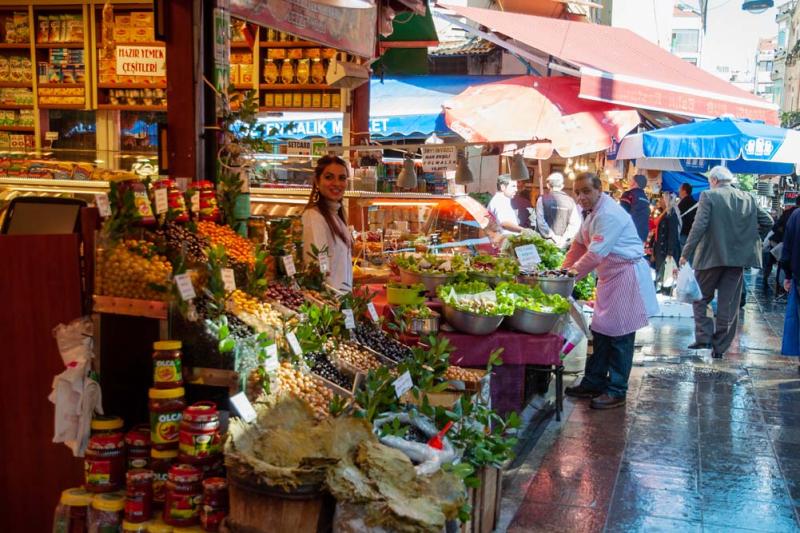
column 436, row 440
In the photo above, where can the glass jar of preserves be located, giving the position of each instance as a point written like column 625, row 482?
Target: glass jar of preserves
column 138, row 495
column 166, row 411
column 287, row 71
column 209, row 209
column 137, row 444
column 303, row 71
column 71, row 514
column 210, row 465
column 133, row 527
column 183, row 496
column 199, row 434
column 161, row 461
column 270, row 72
column 317, row 71
column 215, row 503
column 104, row 463
column 167, row 365
column 105, row 515
column 103, row 425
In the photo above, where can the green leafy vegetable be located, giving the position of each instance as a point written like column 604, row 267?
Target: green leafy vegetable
column 522, row 296
column 551, row 255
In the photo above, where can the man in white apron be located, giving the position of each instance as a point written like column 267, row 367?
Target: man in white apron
column 608, row 243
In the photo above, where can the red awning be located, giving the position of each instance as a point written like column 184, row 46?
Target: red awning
column 542, row 109
column 615, row 65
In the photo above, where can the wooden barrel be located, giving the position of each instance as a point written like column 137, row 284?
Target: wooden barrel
column 264, row 510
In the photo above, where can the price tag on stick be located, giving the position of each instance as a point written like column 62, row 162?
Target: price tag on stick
column 161, row 201
column 294, row 344
column 271, row 362
column 373, row 314
column 288, row 263
column 324, row 262
column 528, row 256
column 403, row 384
column 194, row 200
column 349, row 319
column 228, row 279
column 185, row 287
column 103, row 206
column 243, row 407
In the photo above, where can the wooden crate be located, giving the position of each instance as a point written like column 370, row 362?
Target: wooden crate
column 130, row 306
column 485, row 502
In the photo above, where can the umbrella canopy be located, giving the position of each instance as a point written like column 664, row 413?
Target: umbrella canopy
column 547, row 110
column 743, row 146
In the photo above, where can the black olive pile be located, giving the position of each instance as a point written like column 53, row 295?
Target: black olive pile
column 286, row 295
column 379, row 341
column 321, row 366
column 563, row 273
column 176, row 237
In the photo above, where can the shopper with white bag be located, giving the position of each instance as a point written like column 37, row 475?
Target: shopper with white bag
column 723, row 242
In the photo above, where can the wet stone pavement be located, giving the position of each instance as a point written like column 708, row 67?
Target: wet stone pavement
column 701, row 445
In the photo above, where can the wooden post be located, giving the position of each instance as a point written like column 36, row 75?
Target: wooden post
column 182, row 101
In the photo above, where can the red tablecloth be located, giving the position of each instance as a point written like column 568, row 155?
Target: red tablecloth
column 520, row 350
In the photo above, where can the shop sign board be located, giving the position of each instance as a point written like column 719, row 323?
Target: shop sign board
column 789, row 197
column 319, row 148
column 141, row 60
column 298, row 148
column 351, row 30
column 439, row 158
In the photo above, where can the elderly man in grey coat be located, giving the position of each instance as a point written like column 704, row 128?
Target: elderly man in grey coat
column 724, row 240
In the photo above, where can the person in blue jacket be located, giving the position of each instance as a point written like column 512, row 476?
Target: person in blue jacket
column 636, row 203
column 790, row 261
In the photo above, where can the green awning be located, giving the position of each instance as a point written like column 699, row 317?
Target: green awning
column 412, row 31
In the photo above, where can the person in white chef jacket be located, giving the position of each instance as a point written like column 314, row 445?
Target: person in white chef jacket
column 609, row 244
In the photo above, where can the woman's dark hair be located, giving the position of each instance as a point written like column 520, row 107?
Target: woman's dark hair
column 317, row 200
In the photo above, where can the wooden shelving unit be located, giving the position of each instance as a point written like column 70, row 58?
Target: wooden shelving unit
column 122, row 107
column 60, row 45
column 286, row 109
column 294, row 86
column 18, row 129
column 287, row 44
column 62, row 106
column 131, row 86
column 15, row 46
column 16, row 85
column 62, row 85
column 7, row 107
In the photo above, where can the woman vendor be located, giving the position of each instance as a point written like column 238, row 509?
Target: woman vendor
column 609, row 243
column 324, row 224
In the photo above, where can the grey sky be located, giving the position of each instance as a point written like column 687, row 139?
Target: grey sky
column 732, row 34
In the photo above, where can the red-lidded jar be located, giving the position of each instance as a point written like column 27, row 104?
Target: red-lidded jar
column 103, row 425
column 137, row 443
column 166, row 410
column 209, row 210
column 215, row 503
column 138, row 495
column 199, row 435
column 161, row 461
column 210, row 465
column 104, row 463
column 183, row 496
column 167, row 365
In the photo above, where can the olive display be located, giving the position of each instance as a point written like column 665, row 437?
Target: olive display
column 321, row 366
column 133, row 269
column 286, row 295
column 178, row 238
column 378, row 340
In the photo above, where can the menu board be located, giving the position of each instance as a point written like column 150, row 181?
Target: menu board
column 351, row 30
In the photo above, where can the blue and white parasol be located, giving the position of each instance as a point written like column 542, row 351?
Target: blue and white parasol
column 745, row 147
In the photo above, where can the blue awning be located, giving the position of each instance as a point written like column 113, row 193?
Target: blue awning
column 399, row 107
column 672, row 181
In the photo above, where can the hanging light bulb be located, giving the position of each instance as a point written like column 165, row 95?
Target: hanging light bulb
column 463, row 173
column 407, row 179
column 519, row 171
column 351, row 4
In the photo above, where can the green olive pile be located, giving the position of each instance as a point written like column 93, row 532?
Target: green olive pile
column 133, row 269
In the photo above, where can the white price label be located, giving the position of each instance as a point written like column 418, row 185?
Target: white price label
column 185, row 287
column 288, row 263
column 161, row 201
column 103, row 205
column 528, row 255
column 51, row 136
column 403, row 384
column 373, row 314
column 294, row 343
column 243, row 407
column 349, row 319
column 271, row 362
column 195, row 201
column 228, row 279
column 324, row 262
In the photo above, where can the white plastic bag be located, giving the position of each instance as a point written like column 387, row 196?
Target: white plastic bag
column 687, row 290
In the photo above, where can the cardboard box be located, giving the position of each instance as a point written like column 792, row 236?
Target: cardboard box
column 246, row 73
column 122, row 34
column 142, row 19
column 122, row 20
column 140, row 35
column 234, row 74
